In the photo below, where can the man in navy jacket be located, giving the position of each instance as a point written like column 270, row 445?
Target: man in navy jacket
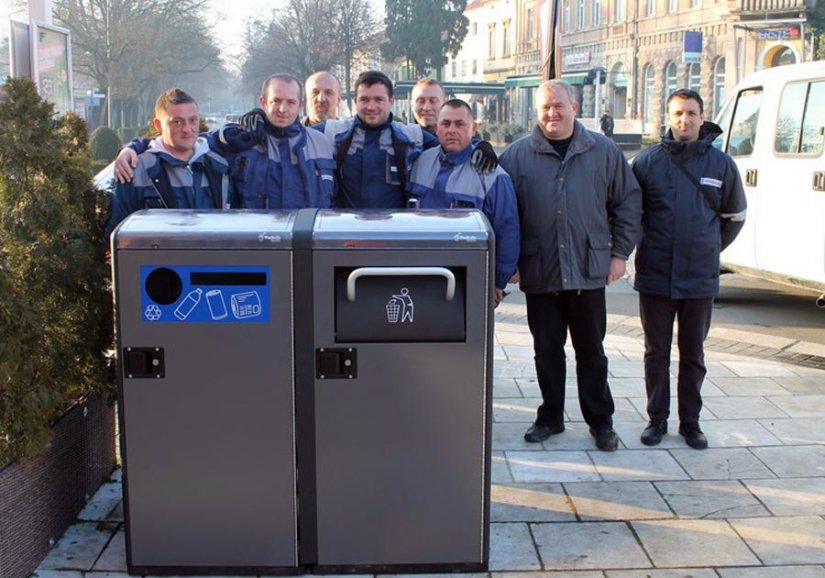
column 693, row 207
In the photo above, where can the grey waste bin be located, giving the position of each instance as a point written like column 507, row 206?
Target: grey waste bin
column 205, row 322
column 402, row 388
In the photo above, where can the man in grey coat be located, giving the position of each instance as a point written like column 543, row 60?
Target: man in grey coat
column 580, row 213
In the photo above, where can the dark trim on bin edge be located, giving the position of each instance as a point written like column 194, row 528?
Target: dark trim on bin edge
column 304, row 311
column 217, row 570
column 488, row 410
column 401, row 568
column 124, row 461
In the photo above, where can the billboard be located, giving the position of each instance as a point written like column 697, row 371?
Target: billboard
column 52, row 64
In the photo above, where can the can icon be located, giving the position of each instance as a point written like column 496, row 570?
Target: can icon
column 217, row 308
column 245, row 305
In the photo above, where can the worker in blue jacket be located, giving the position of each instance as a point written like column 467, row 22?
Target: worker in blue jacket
column 694, row 207
column 445, row 178
column 281, row 164
column 367, row 148
column 373, row 152
column 177, row 169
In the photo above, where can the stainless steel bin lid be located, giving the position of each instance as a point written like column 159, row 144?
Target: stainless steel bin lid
column 408, row 229
column 208, row 230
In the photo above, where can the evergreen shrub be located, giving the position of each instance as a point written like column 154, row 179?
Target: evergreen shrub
column 103, row 146
column 55, row 304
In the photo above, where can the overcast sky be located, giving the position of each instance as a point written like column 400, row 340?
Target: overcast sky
column 229, row 18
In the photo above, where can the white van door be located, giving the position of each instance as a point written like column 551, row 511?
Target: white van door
column 791, row 182
column 739, row 122
column 776, row 134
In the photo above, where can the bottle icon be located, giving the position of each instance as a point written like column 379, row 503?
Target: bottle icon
column 189, row 302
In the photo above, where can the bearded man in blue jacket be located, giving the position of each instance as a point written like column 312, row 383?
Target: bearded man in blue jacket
column 693, row 207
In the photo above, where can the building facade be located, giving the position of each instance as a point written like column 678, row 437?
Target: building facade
column 486, row 56
column 629, row 55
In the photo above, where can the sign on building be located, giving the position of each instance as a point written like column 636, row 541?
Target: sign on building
column 692, row 47
column 783, row 33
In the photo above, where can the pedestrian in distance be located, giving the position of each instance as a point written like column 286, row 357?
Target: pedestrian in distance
column 606, row 124
column 694, row 207
column 579, row 210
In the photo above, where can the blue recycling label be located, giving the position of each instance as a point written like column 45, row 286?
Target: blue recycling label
column 205, row 294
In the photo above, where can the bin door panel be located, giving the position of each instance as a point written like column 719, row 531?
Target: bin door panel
column 401, row 454
column 209, row 447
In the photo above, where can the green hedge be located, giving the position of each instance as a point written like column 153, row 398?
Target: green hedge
column 104, row 144
column 55, row 301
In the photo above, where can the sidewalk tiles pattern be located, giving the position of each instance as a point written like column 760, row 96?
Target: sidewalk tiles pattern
column 750, row 506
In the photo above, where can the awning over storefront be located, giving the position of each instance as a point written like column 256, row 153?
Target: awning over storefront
column 404, row 87
column 575, row 77
column 527, row 81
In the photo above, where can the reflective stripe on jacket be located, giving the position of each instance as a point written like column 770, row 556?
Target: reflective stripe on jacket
column 448, row 180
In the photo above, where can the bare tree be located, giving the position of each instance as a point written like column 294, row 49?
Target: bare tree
column 355, row 30
column 130, row 46
column 307, row 36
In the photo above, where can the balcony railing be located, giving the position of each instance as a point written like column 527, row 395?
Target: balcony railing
column 769, row 5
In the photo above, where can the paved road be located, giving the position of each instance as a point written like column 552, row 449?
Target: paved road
column 751, row 316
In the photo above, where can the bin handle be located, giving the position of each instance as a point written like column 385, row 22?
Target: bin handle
column 390, row 271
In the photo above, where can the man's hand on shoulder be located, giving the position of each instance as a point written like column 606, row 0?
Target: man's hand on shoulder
column 253, row 121
column 484, row 158
column 125, row 164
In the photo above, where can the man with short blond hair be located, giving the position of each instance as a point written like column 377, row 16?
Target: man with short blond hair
column 177, row 169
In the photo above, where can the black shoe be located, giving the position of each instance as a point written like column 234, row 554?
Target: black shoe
column 693, row 435
column 606, row 438
column 540, row 432
column 654, row 431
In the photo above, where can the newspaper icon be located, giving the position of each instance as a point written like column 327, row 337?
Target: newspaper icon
column 246, row 305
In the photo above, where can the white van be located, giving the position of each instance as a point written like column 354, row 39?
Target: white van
column 774, row 127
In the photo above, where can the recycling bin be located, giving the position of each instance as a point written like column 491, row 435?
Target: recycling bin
column 207, row 390
column 402, row 383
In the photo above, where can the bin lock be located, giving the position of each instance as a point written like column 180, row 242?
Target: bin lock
column 333, row 363
column 143, row 362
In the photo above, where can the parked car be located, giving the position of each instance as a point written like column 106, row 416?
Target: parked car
column 105, row 179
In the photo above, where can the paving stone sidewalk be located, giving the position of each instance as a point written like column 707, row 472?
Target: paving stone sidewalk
column 750, row 506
